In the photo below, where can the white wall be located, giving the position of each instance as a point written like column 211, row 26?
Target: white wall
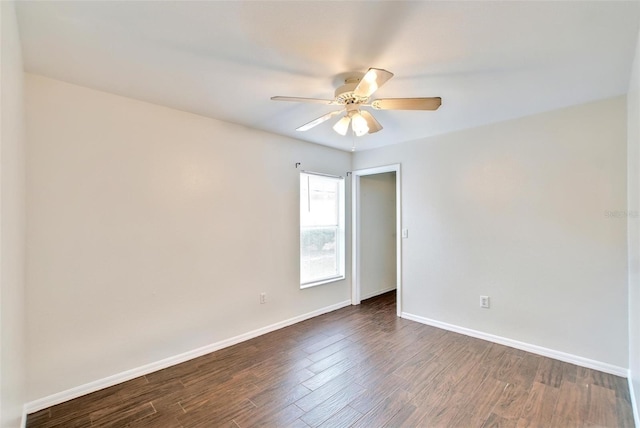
column 633, row 198
column 12, row 221
column 152, row 232
column 516, row 211
column 377, row 234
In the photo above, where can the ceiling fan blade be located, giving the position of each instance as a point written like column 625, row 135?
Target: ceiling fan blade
column 371, row 81
column 318, row 121
column 372, row 123
column 304, row 100
column 407, row 103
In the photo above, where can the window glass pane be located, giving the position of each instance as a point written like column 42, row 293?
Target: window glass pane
column 321, row 228
column 318, row 201
column 318, row 255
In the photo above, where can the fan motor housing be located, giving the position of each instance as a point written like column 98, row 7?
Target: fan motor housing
column 344, row 94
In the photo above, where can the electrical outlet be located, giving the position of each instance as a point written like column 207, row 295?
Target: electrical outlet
column 263, row 298
column 484, row 302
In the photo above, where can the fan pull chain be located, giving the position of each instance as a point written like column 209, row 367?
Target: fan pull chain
column 353, row 140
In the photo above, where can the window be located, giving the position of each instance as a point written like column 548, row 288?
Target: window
column 321, row 229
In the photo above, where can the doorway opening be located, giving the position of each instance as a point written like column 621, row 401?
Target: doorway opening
column 376, row 234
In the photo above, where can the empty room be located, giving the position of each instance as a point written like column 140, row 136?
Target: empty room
column 319, row 214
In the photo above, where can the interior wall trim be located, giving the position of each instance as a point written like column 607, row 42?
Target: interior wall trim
column 534, row 349
column 377, row 292
column 87, row 388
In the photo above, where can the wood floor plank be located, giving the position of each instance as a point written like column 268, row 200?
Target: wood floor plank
column 298, row 423
column 569, row 372
column 214, row 413
column 332, row 405
column 403, row 417
column 88, row 403
column 310, row 338
column 328, row 374
column 228, row 391
column 270, row 417
column 484, row 399
column 621, row 386
column 121, row 415
column 594, row 377
column 443, row 416
column 158, row 419
column 511, row 402
column 602, row 407
column 280, row 396
column 496, row 421
column 414, row 365
column 385, row 364
column 421, row 378
column 329, row 361
column 173, row 372
column 549, row 372
column 343, row 419
column 40, row 418
column 288, row 379
column 324, row 343
column 572, row 405
column 146, row 393
column 527, row 370
column 331, row 349
column 624, row 414
column 359, row 366
column 76, row 413
column 316, row 397
column 540, row 406
column 467, row 385
column 437, row 394
column 375, row 394
column 384, row 411
column 507, row 367
column 82, row 421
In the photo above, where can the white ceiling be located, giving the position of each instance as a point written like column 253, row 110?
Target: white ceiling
column 489, row 61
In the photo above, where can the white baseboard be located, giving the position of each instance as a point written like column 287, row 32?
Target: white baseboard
column 78, row 391
column 535, row 349
column 634, row 402
column 376, row 293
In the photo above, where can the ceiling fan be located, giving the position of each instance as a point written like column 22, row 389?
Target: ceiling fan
column 354, row 95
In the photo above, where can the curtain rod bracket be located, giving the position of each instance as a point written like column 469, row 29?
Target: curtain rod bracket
column 298, row 164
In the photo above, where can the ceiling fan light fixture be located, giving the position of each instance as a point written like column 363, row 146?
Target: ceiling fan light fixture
column 354, row 94
column 359, row 125
column 342, row 125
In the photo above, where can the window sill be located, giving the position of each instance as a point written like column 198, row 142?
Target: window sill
column 321, row 282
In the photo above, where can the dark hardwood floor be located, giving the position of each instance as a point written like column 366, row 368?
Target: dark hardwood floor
column 359, row 366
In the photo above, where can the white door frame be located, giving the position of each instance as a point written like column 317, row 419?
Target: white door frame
column 355, row 232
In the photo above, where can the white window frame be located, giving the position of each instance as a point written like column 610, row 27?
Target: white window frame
column 340, row 238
